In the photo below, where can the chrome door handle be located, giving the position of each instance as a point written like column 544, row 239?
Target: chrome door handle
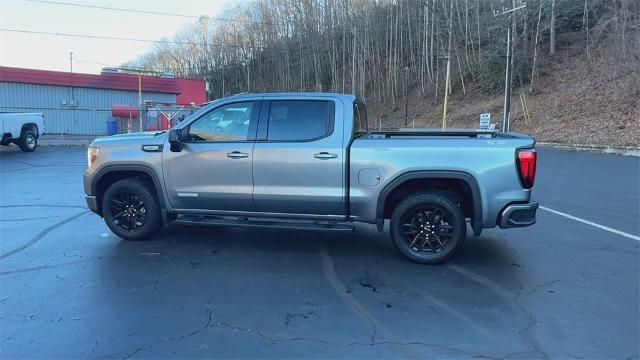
column 325, row 155
column 237, row 155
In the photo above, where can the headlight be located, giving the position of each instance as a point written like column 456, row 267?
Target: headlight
column 92, row 155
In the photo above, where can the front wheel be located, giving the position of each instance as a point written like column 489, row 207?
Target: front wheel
column 131, row 209
column 428, row 227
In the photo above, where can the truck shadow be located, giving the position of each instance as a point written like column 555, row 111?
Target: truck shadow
column 297, row 252
column 185, row 271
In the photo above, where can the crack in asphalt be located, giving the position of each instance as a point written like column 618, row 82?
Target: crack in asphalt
column 25, row 163
column 41, row 167
column 46, row 266
column 274, row 339
column 330, row 275
column 376, row 327
column 179, row 337
column 31, row 219
column 525, row 333
column 32, row 165
column 49, row 206
column 303, row 315
column 455, row 313
column 368, row 281
column 13, row 170
column 536, row 288
column 41, row 235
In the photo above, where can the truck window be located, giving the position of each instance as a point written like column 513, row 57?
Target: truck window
column 359, row 118
column 226, row 123
column 300, row 120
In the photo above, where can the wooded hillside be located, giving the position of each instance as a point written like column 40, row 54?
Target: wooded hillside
column 395, row 53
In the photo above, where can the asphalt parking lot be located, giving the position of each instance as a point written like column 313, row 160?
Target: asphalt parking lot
column 562, row 288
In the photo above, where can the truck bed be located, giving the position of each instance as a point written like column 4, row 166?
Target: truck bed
column 486, row 156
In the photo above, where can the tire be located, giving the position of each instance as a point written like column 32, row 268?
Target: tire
column 28, row 141
column 428, row 227
column 131, row 210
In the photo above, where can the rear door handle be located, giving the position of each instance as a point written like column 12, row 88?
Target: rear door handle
column 237, row 155
column 325, row 155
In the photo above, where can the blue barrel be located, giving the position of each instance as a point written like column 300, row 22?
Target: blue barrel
column 112, row 127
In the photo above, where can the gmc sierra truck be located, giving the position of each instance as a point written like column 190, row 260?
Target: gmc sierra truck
column 22, row 129
column 308, row 161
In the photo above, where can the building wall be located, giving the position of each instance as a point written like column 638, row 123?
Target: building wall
column 88, row 118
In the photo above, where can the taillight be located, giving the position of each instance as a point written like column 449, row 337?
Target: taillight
column 527, row 167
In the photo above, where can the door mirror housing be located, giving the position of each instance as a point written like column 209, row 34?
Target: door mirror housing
column 175, row 140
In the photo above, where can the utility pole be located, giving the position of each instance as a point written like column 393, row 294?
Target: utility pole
column 447, row 85
column 507, row 85
column 509, row 64
column 140, row 102
column 73, row 92
column 71, row 74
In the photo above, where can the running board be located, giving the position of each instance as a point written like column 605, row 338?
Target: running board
column 266, row 223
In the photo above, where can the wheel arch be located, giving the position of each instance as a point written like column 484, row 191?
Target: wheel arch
column 461, row 183
column 109, row 174
column 29, row 126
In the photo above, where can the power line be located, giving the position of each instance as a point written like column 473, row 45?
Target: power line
column 101, row 37
column 148, row 12
column 115, row 9
column 125, row 68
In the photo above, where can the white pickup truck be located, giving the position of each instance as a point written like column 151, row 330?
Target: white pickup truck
column 22, row 129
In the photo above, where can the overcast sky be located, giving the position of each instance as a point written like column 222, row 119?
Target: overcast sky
column 38, row 51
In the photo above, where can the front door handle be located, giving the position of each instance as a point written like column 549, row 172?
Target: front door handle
column 325, row 155
column 237, row 155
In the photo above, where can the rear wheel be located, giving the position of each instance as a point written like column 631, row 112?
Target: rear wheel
column 131, row 209
column 428, row 227
column 28, row 141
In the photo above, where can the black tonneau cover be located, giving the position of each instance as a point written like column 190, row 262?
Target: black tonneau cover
column 421, row 133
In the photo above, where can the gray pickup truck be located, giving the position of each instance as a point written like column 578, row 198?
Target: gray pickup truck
column 308, row 161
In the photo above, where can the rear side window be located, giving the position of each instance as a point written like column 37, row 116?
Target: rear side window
column 359, row 118
column 300, row 120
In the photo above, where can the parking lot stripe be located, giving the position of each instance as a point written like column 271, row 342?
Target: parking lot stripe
column 606, row 228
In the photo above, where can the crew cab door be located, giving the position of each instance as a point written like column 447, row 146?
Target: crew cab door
column 213, row 169
column 298, row 165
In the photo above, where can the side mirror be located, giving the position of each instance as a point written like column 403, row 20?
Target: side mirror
column 175, row 136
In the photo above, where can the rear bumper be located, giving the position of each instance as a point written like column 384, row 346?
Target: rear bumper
column 92, row 203
column 518, row 215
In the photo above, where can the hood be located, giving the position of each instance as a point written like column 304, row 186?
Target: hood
column 138, row 138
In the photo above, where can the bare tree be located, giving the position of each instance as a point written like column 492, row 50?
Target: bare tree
column 552, row 29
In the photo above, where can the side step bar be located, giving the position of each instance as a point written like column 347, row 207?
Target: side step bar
column 269, row 223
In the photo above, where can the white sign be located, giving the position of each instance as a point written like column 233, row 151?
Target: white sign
column 485, row 121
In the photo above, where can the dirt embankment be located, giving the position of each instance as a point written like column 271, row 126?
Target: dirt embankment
column 583, row 100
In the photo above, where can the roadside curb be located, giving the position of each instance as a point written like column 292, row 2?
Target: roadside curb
column 66, row 140
column 626, row 150
column 64, row 144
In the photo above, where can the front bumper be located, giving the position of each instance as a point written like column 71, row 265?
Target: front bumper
column 518, row 215
column 92, row 203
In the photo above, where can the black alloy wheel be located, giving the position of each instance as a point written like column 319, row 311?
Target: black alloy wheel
column 128, row 211
column 131, row 210
column 428, row 227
